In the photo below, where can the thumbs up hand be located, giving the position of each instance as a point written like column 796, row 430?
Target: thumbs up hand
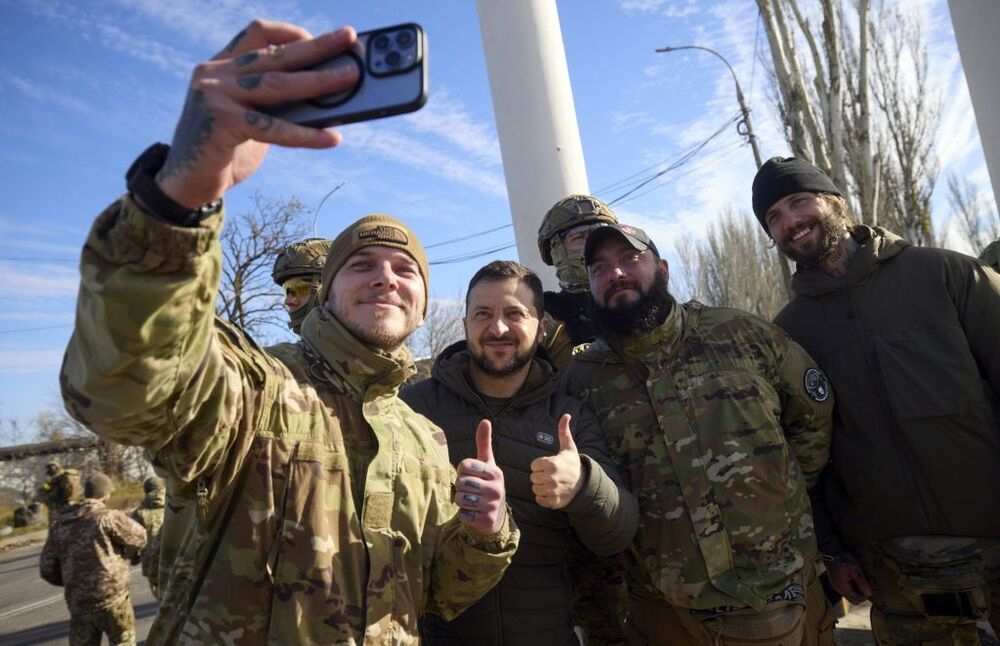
column 557, row 479
column 479, row 489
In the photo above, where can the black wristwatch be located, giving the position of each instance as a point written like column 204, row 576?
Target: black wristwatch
column 141, row 182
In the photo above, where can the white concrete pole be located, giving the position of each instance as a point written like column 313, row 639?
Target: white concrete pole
column 535, row 115
column 977, row 23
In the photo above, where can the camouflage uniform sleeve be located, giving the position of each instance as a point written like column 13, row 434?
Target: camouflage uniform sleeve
column 806, row 410
column 144, row 365
column 466, row 565
column 604, row 514
column 49, row 566
column 128, row 536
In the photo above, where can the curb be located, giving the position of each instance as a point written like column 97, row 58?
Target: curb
column 21, row 540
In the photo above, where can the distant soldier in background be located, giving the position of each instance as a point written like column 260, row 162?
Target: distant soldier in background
column 560, row 241
column 297, row 270
column 88, row 552
column 149, row 514
column 60, row 489
column 27, row 515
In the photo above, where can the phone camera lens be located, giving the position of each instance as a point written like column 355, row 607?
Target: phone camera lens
column 404, row 38
column 393, row 59
column 381, row 42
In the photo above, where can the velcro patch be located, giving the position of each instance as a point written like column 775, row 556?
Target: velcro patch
column 816, row 385
column 384, row 233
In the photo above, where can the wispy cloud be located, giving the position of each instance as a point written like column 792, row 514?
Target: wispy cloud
column 446, row 117
column 43, row 95
column 34, row 360
column 169, row 59
column 37, row 279
column 671, row 10
column 395, row 146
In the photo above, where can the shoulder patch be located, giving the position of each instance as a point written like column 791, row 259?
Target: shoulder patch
column 546, row 438
column 816, row 385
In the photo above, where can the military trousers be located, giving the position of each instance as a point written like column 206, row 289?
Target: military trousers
column 117, row 622
column 932, row 590
column 805, row 620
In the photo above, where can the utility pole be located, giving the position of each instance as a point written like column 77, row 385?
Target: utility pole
column 745, row 129
column 535, row 115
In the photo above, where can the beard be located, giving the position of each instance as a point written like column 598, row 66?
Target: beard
column 645, row 314
column 380, row 335
column 832, row 229
column 509, row 367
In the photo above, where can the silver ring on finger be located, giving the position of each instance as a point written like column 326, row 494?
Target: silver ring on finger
column 275, row 51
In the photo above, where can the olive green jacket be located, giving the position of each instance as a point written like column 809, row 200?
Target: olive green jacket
column 910, row 339
column 318, row 505
column 719, row 422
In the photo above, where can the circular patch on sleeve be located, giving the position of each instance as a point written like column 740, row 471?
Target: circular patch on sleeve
column 816, row 385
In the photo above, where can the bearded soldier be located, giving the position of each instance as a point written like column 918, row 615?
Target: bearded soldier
column 319, row 507
column 908, row 336
column 719, row 423
column 563, row 487
column 297, row 271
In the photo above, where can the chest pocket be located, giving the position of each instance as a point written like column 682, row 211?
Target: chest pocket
column 927, row 373
column 734, row 414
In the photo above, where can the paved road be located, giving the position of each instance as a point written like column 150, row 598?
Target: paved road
column 34, row 612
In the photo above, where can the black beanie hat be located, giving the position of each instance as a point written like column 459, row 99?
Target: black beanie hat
column 782, row 176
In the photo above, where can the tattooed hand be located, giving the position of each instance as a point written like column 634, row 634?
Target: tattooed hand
column 221, row 137
column 479, row 488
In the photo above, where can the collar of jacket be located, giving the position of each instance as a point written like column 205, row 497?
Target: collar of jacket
column 451, row 370
column 648, row 347
column 875, row 245
column 346, row 360
column 82, row 509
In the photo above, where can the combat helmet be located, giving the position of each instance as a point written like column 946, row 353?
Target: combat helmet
column 301, row 259
column 567, row 213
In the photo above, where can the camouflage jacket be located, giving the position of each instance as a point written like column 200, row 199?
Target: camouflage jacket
column 270, row 450
column 61, row 489
column 88, row 551
column 719, row 423
column 149, row 513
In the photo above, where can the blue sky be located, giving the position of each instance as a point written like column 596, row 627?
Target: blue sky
column 84, row 87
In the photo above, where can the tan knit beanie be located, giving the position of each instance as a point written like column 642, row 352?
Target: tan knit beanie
column 374, row 230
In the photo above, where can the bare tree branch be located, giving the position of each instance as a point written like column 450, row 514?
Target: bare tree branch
column 251, row 240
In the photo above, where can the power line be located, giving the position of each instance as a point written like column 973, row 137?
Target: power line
column 39, row 259
column 471, row 235
column 688, row 170
column 680, row 162
column 473, row 255
column 36, row 329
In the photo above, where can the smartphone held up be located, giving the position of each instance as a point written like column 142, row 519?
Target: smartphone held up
column 393, row 80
